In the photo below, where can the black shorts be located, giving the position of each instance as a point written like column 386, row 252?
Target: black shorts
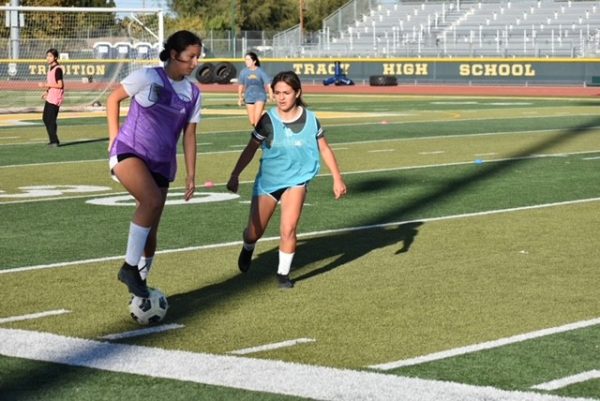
column 279, row 193
column 160, row 180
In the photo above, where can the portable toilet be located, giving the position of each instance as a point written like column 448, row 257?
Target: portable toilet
column 143, row 51
column 102, row 50
column 122, row 50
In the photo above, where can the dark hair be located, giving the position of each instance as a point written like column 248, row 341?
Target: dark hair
column 254, row 57
column 179, row 41
column 292, row 79
column 53, row 51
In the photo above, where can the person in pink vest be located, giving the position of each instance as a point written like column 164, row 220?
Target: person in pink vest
column 54, row 96
column 143, row 150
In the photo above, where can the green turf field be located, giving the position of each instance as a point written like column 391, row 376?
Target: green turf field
column 462, row 265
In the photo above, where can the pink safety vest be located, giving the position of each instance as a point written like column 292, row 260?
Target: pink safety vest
column 55, row 95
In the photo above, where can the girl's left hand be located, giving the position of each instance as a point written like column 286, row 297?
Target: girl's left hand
column 339, row 189
column 190, row 188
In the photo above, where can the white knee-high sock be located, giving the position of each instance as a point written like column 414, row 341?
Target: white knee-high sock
column 285, row 263
column 136, row 243
column 144, row 266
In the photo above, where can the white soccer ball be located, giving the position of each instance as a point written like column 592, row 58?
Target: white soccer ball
column 149, row 310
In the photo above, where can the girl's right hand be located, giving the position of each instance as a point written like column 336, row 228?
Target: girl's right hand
column 233, row 184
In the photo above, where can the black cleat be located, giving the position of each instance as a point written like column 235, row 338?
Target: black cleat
column 283, row 280
column 131, row 277
column 245, row 259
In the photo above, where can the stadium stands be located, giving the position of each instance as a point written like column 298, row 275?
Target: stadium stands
column 457, row 28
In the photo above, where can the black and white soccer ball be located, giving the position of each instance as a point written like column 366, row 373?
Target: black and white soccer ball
column 151, row 310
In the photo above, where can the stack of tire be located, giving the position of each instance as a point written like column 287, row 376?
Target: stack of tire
column 219, row 73
column 383, row 80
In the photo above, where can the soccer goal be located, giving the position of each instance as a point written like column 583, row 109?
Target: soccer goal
column 97, row 47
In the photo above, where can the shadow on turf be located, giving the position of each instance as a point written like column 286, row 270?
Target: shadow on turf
column 264, row 266
column 82, row 142
column 344, row 248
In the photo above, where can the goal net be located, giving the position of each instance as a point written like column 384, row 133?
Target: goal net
column 97, row 47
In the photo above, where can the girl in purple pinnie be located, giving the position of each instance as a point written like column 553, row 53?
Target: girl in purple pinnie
column 164, row 102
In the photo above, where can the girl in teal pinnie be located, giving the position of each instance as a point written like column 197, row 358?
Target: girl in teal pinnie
column 292, row 142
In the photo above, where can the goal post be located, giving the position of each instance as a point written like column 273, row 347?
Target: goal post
column 97, row 47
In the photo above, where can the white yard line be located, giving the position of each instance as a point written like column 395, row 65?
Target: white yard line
column 302, row 235
column 32, row 316
column 433, row 152
column 142, row 332
column 486, row 345
column 272, row 346
column 315, row 382
column 320, row 175
column 567, row 381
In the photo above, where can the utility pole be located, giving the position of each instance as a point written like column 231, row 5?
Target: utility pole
column 301, row 12
column 233, row 26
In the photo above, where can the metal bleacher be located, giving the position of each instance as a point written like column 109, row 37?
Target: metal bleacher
column 459, row 28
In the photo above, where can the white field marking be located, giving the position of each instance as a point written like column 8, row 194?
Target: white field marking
column 567, row 381
column 237, row 146
column 204, row 143
column 486, row 345
column 16, row 123
column 9, row 137
column 591, row 158
column 485, row 154
column 32, row 316
column 455, row 103
column 507, row 104
column 277, row 377
column 433, row 152
column 142, row 332
column 341, row 148
column 247, row 182
column 269, row 347
column 336, row 144
column 381, row 150
column 304, row 235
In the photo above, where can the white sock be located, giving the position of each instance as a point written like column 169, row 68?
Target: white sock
column 136, row 243
column 144, row 266
column 285, row 263
column 249, row 247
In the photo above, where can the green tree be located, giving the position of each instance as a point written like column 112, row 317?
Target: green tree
column 315, row 11
column 256, row 15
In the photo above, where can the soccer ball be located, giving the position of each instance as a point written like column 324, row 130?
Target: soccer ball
column 149, row 310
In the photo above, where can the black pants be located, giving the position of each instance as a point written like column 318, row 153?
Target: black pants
column 49, row 117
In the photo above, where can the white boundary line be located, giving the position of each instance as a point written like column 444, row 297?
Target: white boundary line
column 537, row 156
column 304, row 235
column 567, row 381
column 272, row 346
column 314, row 382
column 142, row 332
column 486, row 345
column 32, row 316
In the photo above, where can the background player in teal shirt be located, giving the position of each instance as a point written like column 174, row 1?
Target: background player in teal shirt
column 292, row 140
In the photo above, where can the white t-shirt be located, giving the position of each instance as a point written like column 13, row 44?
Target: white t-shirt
column 138, row 84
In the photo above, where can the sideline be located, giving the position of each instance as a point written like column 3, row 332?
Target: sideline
column 278, row 377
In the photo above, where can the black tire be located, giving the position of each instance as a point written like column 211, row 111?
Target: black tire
column 383, row 80
column 224, row 73
column 205, row 74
